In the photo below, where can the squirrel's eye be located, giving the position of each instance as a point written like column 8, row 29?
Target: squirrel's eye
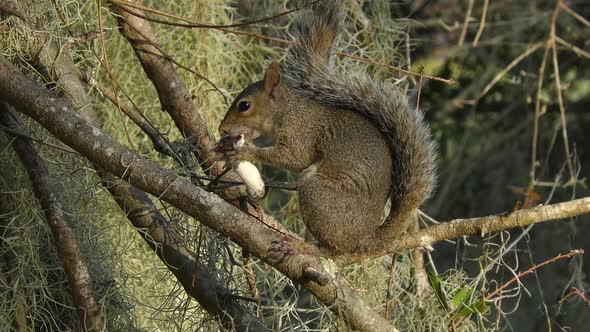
column 243, row 106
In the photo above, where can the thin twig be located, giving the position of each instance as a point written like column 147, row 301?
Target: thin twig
column 419, row 88
column 160, row 143
column 183, row 25
column 573, row 13
column 195, row 24
column 577, row 292
column 482, row 23
column 40, row 141
column 532, row 269
column 538, row 115
column 408, row 59
column 107, row 67
column 512, row 64
column 465, row 23
column 558, row 89
column 578, row 51
column 249, row 273
column 390, row 286
column 279, row 40
column 548, row 318
column 168, row 57
column 444, row 80
column 480, row 225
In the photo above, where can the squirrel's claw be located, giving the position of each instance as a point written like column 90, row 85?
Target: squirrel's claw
column 280, row 248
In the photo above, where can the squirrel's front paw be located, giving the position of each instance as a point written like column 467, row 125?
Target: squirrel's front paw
column 242, row 153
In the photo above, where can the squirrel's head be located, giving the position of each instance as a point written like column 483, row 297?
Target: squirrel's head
column 252, row 112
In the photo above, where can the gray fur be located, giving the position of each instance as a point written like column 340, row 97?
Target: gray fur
column 307, row 71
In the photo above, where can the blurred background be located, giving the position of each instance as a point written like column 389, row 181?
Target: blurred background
column 512, row 132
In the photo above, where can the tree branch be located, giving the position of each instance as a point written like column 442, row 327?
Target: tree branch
column 68, row 250
column 169, row 246
column 481, row 225
column 174, row 97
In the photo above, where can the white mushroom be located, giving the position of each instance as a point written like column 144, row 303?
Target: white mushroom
column 252, row 179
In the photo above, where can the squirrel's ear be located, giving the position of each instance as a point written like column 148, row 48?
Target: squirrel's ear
column 272, row 79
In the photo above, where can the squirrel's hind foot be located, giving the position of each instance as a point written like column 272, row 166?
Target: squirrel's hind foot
column 280, row 248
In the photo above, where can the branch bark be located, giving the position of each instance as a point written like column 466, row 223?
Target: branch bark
column 56, row 115
column 68, row 250
column 174, row 97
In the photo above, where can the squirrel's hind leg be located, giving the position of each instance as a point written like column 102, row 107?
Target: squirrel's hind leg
column 341, row 220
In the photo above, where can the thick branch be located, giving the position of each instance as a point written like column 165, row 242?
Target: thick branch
column 55, row 64
column 57, row 117
column 174, row 97
column 68, row 250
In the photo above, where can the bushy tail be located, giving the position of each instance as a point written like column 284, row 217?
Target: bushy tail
column 307, row 70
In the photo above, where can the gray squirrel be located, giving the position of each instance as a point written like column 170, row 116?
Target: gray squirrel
column 356, row 141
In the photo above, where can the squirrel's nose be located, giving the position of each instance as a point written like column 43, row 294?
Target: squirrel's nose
column 221, row 130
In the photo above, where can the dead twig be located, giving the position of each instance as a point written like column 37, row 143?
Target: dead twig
column 159, row 142
column 578, row 51
column 19, row 134
column 108, row 70
column 465, row 23
column 578, row 293
column 511, row 65
column 481, row 225
column 284, row 41
column 537, row 116
column 419, row 89
column 558, row 89
column 390, row 286
column 482, row 23
column 401, row 70
column 195, row 24
column 573, row 13
column 532, row 269
column 250, row 276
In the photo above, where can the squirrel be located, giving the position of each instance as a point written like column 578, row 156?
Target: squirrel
column 357, row 142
